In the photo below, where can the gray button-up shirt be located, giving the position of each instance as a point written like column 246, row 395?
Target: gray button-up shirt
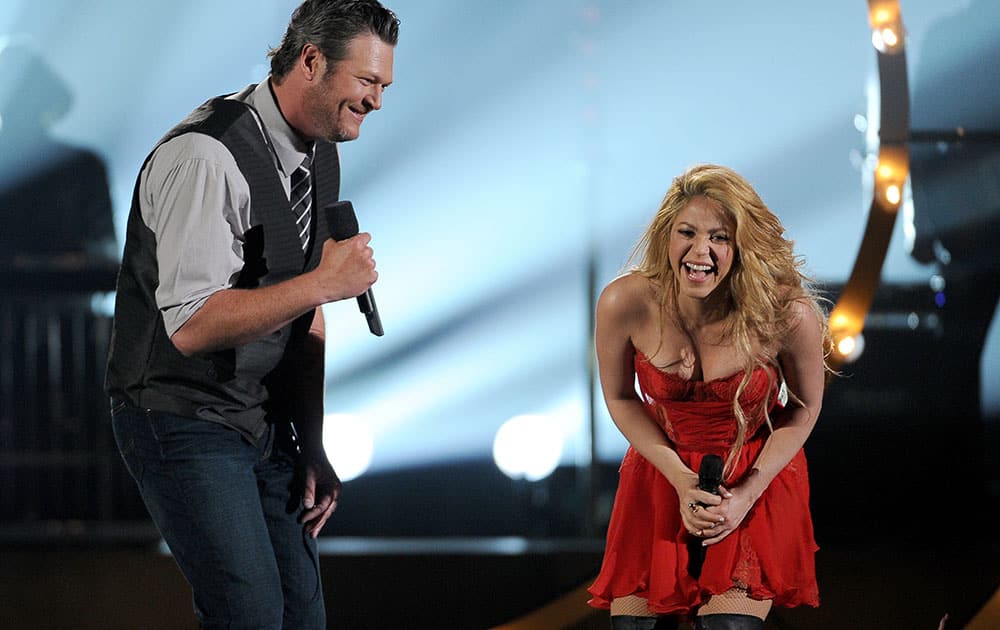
column 197, row 202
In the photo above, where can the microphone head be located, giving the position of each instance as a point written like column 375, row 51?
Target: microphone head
column 342, row 221
column 710, row 473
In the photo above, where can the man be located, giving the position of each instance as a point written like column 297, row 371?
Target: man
column 216, row 364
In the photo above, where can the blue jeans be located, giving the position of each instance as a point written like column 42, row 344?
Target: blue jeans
column 227, row 509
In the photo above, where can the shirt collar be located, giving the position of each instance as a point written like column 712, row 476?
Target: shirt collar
column 289, row 148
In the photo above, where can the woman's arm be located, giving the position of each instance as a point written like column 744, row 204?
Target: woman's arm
column 801, row 359
column 621, row 309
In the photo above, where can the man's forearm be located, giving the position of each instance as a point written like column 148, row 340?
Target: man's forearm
column 233, row 317
column 310, row 384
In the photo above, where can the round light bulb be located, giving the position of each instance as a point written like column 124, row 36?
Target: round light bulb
column 349, row 445
column 528, row 447
column 889, row 37
column 846, row 346
column 850, row 347
column 893, row 194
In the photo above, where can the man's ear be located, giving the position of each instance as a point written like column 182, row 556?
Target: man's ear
column 312, row 62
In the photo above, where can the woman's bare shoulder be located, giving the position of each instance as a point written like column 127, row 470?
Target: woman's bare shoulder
column 627, row 292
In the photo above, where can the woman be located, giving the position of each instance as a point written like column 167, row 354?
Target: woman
column 717, row 311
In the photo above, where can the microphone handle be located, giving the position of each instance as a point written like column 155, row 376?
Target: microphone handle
column 710, row 473
column 366, row 302
column 709, row 479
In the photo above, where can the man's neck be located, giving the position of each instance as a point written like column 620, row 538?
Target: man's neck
column 276, row 91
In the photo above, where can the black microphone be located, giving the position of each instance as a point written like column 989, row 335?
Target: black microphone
column 709, row 479
column 710, row 474
column 343, row 224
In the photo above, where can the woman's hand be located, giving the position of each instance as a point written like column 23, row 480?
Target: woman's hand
column 732, row 508
column 697, row 506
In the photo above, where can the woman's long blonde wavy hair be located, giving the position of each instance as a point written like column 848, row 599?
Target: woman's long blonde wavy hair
column 763, row 284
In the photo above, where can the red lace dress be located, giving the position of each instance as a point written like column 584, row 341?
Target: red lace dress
column 771, row 554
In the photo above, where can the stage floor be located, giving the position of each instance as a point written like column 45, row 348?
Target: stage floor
column 475, row 583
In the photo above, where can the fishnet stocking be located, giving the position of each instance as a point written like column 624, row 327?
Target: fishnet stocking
column 735, row 601
column 631, row 605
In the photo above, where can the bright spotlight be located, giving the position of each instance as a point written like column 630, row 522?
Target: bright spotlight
column 850, row 347
column 528, row 447
column 846, row 345
column 348, row 443
column 893, row 194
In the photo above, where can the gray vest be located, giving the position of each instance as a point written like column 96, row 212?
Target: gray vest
column 241, row 387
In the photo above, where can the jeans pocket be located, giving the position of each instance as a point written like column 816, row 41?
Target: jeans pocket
column 126, row 425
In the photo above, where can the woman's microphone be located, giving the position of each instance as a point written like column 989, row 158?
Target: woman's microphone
column 709, row 479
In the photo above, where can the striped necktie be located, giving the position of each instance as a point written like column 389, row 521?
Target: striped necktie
column 301, row 198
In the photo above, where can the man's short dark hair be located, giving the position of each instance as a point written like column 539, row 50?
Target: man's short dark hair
column 330, row 25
